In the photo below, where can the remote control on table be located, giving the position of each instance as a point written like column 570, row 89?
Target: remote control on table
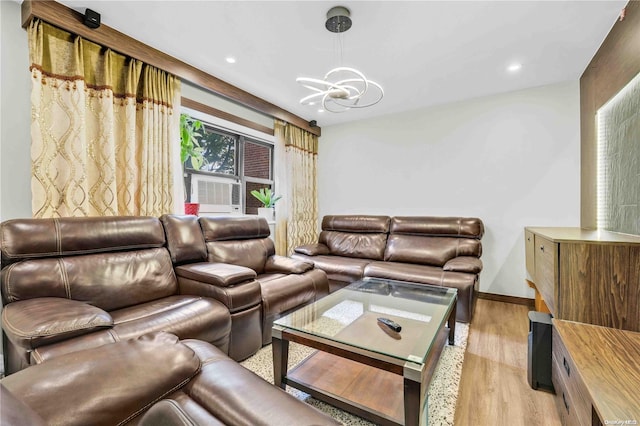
column 391, row 324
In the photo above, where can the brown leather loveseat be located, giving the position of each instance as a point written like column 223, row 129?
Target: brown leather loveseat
column 443, row 251
column 153, row 380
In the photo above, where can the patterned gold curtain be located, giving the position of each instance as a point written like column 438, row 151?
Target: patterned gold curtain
column 296, row 162
column 102, row 127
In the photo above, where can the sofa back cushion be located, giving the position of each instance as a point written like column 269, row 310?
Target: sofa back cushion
column 184, row 238
column 356, row 223
column 358, row 236
column 461, row 227
column 68, row 236
column 240, row 241
column 108, row 262
column 433, row 240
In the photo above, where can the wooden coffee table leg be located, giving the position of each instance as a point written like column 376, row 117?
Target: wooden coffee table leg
column 452, row 323
column 280, row 349
column 413, row 403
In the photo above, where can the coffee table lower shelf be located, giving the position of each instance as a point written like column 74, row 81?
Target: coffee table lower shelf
column 365, row 391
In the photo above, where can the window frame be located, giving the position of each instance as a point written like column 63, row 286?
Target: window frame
column 244, row 134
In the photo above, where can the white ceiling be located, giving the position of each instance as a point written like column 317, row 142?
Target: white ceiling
column 423, row 53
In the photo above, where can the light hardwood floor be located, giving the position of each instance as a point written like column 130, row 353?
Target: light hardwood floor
column 493, row 386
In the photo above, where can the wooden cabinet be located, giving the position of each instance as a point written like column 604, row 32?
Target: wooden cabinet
column 586, row 275
column 573, row 403
column 595, row 373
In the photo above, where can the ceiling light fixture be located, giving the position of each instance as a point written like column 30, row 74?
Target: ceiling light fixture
column 342, row 88
column 230, row 59
column 515, row 67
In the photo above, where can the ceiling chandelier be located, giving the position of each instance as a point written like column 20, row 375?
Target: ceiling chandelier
column 342, row 88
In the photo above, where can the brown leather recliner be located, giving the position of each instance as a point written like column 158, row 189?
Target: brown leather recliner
column 443, row 251
column 238, row 253
column 75, row 283
column 153, row 380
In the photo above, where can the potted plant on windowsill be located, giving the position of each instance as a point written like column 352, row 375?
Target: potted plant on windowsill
column 268, row 200
column 190, row 149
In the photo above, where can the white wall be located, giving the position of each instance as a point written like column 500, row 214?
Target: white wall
column 511, row 159
column 15, row 115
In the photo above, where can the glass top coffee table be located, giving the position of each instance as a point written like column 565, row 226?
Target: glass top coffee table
column 362, row 365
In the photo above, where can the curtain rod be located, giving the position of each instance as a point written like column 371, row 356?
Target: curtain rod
column 68, row 19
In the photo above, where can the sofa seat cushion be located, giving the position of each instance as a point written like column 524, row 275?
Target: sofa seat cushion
column 36, row 322
column 109, row 385
column 236, row 396
column 338, row 268
column 285, row 292
column 188, row 317
column 418, row 273
column 87, row 341
column 463, row 282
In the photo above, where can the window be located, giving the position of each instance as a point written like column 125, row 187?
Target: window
column 234, row 164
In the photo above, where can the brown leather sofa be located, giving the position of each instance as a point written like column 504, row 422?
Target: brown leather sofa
column 154, row 380
column 75, row 283
column 443, row 251
column 235, row 262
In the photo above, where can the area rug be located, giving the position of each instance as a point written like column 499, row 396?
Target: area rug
column 443, row 392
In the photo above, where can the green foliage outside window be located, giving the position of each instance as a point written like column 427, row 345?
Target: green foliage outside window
column 219, row 150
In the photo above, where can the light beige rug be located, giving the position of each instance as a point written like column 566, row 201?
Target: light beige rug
column 442, row 393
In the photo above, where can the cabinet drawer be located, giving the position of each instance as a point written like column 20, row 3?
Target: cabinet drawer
column 571, row 394
column 564, row 404
column 546, row 270
column 529, row 245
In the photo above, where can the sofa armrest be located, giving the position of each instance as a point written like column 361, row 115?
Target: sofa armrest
column 15, row 412
column 44, row 320
column 108, row 385
column 286, row 265
column 218, row 274
column 313, row 249
column 468, row 264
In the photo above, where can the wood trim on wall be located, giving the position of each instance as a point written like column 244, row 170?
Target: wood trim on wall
column 68, row 19
column 612, row 67
column 507, row 299
column 189, row 103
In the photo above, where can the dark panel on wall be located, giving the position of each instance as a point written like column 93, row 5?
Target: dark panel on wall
column 613, row 66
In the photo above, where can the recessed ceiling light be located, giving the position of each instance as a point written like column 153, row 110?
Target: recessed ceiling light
column 515, row 67
column 230, row 59
column 320, row 110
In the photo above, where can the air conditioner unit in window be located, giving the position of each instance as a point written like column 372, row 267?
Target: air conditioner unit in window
column 215, row 194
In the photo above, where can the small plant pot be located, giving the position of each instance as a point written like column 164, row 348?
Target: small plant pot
column 268, row 213
column 192, row 208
